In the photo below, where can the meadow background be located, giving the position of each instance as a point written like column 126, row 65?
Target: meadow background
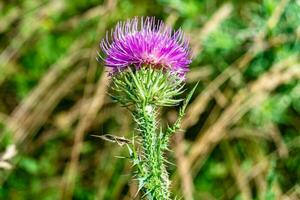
column 240, row 137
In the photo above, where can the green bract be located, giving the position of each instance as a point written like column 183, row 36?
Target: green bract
column 147, row 86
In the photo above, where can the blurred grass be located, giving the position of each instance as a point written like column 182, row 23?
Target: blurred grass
column 241, row 133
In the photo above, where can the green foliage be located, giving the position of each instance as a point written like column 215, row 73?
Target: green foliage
column 42, row 43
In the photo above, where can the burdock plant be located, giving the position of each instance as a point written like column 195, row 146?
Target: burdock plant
column 147, row 62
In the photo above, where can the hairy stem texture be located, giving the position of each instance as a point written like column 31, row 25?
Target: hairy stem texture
column 153, row 179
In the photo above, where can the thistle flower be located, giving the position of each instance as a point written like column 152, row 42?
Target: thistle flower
column 148, row 63
column 146, row 43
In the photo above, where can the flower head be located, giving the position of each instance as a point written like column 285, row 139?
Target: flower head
column 146, row 43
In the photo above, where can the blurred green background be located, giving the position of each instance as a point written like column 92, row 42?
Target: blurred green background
column 240, row 137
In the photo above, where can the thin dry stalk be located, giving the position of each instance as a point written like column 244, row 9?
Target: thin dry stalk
column 21, row 117
column 218, row 17
column 54, row 73
column 87, row 116
column 199, row 73
column 197, row 107
column 28, row 26
column 8, row 19
column 236, row 171
column 94, row 12
column 85, row 122
column 186, row 178
column 103, row 181
column 242, row 102
column 42, row 111
column 258, row 156
column 276, row 136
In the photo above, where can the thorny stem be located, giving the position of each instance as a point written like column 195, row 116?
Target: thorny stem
column 155, row 181
column 143, row 92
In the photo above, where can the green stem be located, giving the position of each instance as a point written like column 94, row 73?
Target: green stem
column 154, row 180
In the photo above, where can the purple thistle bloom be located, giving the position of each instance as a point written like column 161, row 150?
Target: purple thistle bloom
column 148, row 43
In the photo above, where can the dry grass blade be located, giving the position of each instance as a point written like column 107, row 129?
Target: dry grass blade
column 41, row 112
column 19, row 118
column 242, row 102
column 218, row 17
column 48, row 80
column 85, row 122
column 237, row 172
column 186, row 178
column 198, row 106
column 29, row 25
column 238, row 139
